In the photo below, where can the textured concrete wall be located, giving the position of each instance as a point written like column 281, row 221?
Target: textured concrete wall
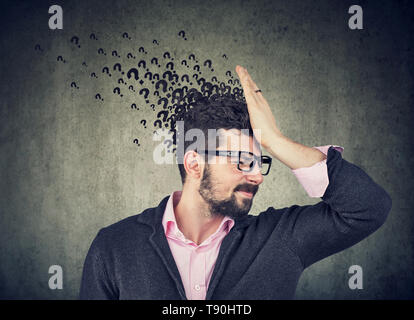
column 69, row 165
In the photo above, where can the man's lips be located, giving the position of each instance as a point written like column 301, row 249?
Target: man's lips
column 246, row 194
column 247, row 190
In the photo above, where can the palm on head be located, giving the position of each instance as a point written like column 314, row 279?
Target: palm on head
column 261, row 116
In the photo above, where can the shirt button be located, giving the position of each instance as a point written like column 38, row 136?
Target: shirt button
column 197, row 287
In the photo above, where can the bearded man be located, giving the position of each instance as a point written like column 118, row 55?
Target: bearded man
column 201, row 243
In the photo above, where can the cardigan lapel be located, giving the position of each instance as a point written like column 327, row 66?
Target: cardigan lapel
column 224, row 255
column 153, row 218
column 160, row 244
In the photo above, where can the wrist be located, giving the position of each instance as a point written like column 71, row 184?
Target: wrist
column 270, row 142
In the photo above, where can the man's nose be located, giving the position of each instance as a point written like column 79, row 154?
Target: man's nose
column 255, row 175
column 255, row 178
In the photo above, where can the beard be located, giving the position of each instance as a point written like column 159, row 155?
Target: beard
column 228, row 207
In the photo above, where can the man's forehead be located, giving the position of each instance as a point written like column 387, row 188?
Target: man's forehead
column 236, row 139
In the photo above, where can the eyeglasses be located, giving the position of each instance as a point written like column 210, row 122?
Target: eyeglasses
column 246, row 161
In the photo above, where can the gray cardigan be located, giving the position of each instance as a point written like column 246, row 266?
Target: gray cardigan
column 262, row 257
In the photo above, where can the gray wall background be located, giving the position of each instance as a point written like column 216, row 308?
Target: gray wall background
column 69, row 166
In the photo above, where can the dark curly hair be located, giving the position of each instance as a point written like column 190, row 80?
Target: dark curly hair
column 215, row 112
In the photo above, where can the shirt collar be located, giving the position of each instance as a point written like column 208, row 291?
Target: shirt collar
column 170, row 224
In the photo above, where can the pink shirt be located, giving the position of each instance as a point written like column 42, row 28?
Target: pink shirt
column 196, row 262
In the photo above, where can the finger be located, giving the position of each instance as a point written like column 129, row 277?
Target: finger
column 258, row 95
column 255, row 97
column 247, row 81
column 250, row 81
column 244, row 80
column 250, row 92
column 239, row 70
column 249, row 87
column 242, row 73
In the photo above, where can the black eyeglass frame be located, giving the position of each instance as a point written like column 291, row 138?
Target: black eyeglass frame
column 238, row 154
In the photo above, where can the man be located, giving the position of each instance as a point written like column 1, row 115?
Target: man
column 200, row 243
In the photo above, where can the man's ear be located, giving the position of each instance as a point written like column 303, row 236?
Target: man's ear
column 193, row 164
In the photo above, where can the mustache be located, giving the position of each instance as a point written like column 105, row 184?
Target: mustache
column 252, row 188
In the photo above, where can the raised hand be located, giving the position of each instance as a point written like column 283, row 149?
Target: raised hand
column 261, row 117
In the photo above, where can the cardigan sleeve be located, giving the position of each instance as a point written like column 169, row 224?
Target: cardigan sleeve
column 95, row 283
column 353, row 207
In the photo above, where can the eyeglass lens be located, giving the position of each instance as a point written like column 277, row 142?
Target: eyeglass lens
column 247, row 163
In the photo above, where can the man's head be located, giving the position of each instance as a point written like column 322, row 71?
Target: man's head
column 216, row 175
